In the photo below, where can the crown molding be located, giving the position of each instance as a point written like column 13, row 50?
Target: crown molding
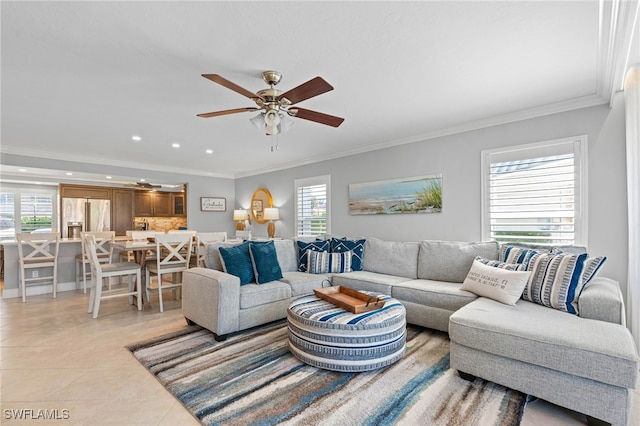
column 618, row 20
column 555, row 108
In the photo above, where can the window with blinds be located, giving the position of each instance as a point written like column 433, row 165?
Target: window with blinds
column 312, row 206
column 26, row 210
column 534, row 194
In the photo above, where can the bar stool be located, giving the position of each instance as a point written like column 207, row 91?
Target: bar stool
column 204, row 238
column 38, row 251
column 173, row 252
column 100, row 271
column 103, row 249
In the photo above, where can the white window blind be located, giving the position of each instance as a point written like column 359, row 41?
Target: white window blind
column 535, row 194
column 312, row 206
column 27, row 210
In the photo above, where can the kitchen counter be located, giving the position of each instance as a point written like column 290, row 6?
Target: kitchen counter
column 69, row 248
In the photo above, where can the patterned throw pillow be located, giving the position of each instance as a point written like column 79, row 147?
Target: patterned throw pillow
column 304, row 247
column 558, row 279
column 515, row 254
column 502, row 265
column 322, row 262
column 341, row 245
column 265, row 261
column 236, row 260
column 495, row 282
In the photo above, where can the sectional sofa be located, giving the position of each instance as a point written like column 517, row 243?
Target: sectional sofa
column 586, row 361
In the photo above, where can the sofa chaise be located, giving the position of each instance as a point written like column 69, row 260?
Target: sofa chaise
column 587, row 361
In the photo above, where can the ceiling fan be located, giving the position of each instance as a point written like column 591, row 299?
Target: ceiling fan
column 275, row 105
column 145, row 185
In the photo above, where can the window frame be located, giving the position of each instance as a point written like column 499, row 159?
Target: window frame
column 19, row 190
column 312, row 181
column 576, row 144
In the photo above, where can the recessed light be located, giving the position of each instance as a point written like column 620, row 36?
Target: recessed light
column 209, row 151
column 143, row 180
column 69, row 174
column 22, row 170
column 175, row 145
column 108, row 177
column 136, row 138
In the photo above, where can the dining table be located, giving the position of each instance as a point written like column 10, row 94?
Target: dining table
column 140, row 248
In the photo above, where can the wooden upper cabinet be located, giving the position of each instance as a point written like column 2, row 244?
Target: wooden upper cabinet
column 122, row 214
column 85, row 191
column 162, row 204
column 178, row 201
column 153, row 203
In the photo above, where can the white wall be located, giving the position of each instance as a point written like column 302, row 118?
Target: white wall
column 457, row 157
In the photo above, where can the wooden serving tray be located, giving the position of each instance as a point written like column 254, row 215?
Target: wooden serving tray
column 349, row 299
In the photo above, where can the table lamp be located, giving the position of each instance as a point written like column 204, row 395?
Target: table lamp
column 271, row 214
column 240, row 215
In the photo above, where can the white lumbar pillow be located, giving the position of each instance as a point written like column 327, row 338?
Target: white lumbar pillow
column 496, row 283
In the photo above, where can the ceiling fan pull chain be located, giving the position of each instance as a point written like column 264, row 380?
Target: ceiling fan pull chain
column 274, row 142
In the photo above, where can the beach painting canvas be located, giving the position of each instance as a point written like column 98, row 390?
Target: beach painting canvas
column 420, row 194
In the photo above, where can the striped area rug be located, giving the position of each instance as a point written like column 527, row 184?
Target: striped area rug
column 252, row 379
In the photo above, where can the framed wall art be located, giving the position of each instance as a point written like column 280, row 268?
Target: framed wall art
column 420, row 194
column 213, row 204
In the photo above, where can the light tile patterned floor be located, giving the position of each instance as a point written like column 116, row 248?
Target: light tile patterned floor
column 54, row 356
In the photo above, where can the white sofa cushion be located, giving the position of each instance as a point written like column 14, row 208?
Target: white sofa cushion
column 451, row 260
column 391, row 257
column 534, row 334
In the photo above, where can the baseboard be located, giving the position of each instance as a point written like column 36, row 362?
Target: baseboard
column 38, row 289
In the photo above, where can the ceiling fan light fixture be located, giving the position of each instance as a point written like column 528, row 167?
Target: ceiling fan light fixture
column 258, row 121
column 272, row 118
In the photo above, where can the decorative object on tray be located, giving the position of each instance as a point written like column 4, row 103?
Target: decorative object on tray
column 213, row 204
column 349, row 299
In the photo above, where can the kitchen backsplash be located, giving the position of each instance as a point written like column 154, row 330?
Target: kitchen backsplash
column 162, row 224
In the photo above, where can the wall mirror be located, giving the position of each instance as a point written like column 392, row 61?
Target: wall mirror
column 260, row 200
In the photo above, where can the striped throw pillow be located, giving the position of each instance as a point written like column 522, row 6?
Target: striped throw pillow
column 502, row 265
column 558, row 279
column 304, row 248
column 322, row 262
column 515, row 254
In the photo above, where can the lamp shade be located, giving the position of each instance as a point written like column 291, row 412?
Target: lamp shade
column 240, row 214
column 271, row 213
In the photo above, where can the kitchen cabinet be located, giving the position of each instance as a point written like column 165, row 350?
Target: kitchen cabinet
column 153, row 203
column 85, row 191
column 178, row 204
column 122, row 214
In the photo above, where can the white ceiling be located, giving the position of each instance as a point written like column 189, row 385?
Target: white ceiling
column 79, row 79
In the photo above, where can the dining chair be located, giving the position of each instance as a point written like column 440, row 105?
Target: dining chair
column 204, row 238
column 104, row 249
column 38, row 251
column 173, row 252
column 101, row 271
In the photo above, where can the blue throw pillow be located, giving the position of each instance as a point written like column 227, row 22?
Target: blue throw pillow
column 321, row 245
column 236, row 260
column 341, row 245
column 265, row 262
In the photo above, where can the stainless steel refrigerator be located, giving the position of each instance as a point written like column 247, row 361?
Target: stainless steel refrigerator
column 84, row 214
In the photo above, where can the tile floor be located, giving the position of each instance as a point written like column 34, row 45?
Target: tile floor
column 54, row 356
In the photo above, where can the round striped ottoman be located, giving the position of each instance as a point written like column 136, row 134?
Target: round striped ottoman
column 326, row 336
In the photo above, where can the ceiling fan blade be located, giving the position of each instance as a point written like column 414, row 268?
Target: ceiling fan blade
column 230, row 85
column 314, row 87
column 318, row 117
column 227, row 111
